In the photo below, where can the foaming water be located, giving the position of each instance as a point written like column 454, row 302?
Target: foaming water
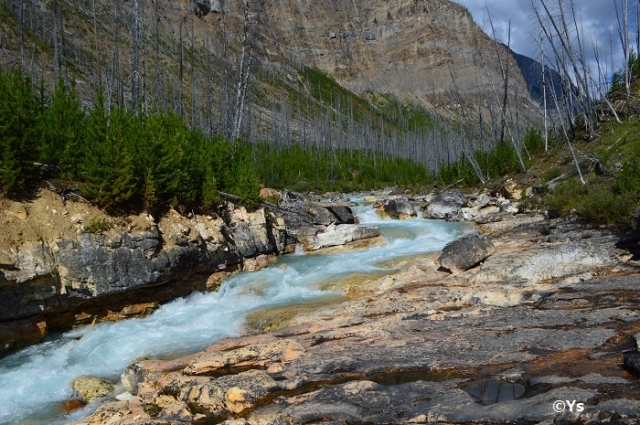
column 35, row 380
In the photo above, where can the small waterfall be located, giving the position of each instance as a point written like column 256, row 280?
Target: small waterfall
column 299, row 249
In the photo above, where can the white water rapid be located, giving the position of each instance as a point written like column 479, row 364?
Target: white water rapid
column 35, row 380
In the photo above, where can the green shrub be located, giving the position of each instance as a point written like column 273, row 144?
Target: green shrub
column 98, row 225
column 602, row 206
column 565, row 197
column 534, row 142
column 552, row 173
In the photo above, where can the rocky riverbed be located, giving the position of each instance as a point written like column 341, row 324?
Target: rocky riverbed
column 546, row 329
column 65, row 264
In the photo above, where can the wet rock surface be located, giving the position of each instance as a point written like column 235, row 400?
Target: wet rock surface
column 77, row 277
column 547, row 318
column 446, row 205
column 399, row 208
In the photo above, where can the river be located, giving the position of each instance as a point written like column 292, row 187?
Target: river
column 35, row 380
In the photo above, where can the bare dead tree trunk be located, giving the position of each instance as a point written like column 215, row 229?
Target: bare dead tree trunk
column 244, row 72
column 505, row 77
column 544, row 96
column 568, row 141
column 21, row 6
column 623, row 32
column 135, row 84
column 56, row 48
column 157, row 49
column 97, row 46
column 181, row 73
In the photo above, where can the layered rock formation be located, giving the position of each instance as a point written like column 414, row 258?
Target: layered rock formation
column 423, row 346
column 54, row 273
column 422, row 52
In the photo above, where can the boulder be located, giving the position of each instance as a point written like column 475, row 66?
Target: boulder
column 399, row 209
column 321, row 216
column 511, row 190
column 90, row 388
column 466, row 252
column 482, row 201
column 343, row 214
column 447, row 205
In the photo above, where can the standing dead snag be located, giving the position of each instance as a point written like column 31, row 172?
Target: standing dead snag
column 244, row 72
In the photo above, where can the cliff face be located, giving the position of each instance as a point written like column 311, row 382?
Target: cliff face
column 426, row 52
column 54, row 273
column 420, row 51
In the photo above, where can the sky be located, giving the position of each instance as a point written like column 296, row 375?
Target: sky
column 598, row 20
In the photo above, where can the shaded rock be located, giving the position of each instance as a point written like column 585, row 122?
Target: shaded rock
column 18, row 334
column 447, row 205
column 90, row 388
column 343, row 214
column 635, row 220
column 466, row 252
column 322, row 216
column 399, row 209
column 492, row 391
column 631, row 362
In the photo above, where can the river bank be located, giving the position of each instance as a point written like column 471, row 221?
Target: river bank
column 544, row 330
column 390, row 339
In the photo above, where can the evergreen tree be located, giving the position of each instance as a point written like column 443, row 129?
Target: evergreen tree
column 61, row 128
column 19, row 113
column 107, row 166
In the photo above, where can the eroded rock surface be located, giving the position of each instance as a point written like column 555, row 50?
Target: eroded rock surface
column 424, row 346
column 54, row 273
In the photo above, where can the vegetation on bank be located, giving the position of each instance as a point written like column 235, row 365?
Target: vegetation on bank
column 122, row 160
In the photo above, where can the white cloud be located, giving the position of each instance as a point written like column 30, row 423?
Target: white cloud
column 597, row 20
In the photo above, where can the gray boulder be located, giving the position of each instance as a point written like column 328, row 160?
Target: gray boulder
column 343, row 214
column 466, row 252
column 321, row 216
column 399, row 209
column 447, row 205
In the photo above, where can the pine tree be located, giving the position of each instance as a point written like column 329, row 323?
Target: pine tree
column 18, row 147
column 107, row 166
column 61, row 128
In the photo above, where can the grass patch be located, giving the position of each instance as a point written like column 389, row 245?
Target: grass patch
column 98, row 225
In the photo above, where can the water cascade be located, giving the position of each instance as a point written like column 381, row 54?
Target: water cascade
column 35, row 380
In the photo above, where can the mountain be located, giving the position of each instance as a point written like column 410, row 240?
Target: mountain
column 532, row 73
column 396, row 76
